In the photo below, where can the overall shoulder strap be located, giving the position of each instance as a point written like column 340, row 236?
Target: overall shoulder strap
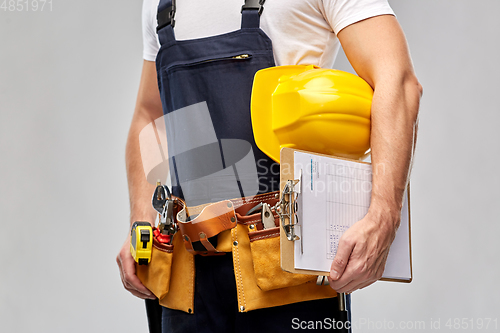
column 166, row 14
column 165, row 18
column 250, row 13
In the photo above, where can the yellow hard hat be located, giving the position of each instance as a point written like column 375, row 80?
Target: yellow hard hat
column 309, row 108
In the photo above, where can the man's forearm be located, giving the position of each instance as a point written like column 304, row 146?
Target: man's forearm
column 394, row 126
column 148, row 109
column 378, row 51
column 140, row 191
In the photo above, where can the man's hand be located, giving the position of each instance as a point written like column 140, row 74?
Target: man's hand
column 131, row 282
column 362, row 254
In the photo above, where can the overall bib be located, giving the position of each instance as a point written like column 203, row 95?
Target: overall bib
column 205, row 87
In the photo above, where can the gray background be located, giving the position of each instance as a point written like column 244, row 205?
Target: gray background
column 68, row 82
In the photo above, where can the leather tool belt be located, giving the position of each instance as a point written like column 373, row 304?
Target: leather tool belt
column 200, row 225
column 245, row 227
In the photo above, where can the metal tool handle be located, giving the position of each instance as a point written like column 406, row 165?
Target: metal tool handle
column 344, row 315
column 341, row 298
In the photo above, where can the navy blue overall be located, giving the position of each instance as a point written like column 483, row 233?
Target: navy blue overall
column 205, row 86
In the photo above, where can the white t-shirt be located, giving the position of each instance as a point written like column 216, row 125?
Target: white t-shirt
column 302, row 31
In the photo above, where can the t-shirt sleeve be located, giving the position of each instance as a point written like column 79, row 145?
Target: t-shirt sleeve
column 149, row 36
column 341, row 13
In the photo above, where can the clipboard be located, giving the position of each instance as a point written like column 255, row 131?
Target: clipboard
column 291, row 224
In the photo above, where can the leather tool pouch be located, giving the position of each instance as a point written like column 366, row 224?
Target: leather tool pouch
column 265, row 247
column 156, row 275
column 199, row 227
column 200, row 231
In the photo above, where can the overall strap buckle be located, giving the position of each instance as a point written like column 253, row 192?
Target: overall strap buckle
column 253, row 4
column 166, row 17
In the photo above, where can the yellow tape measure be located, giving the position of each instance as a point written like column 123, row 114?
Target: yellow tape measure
column 141, row 242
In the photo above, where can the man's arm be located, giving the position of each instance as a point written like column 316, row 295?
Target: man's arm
column 148, row 108
column 378, row 52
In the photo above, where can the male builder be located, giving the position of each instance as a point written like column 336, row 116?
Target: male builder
column 302, row 32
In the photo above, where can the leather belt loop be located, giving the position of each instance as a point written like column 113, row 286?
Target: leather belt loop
column 188, row 244
column 206, row 243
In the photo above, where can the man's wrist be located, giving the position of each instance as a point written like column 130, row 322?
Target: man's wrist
column 386, row 210
column 149, row 220
column 149, row 216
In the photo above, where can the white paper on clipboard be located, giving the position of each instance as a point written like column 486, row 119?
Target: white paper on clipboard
column 334, row 194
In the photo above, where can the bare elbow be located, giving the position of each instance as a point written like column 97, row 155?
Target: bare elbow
column 419, row 88
column 413, row 92
column 412, row 84
column 404, row 90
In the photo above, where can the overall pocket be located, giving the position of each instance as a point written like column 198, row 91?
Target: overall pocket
column 156, row 275
column 265, row 247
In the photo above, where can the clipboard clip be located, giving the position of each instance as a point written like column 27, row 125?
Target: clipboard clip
column 287, row 208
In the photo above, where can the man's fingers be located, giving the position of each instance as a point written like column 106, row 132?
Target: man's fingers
column 341, row 258
column 337, row 285
column 363, row 280
column 129, row 279
column 355, row 285
column 364, row 285
column 139, row 294
column 134, row 283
